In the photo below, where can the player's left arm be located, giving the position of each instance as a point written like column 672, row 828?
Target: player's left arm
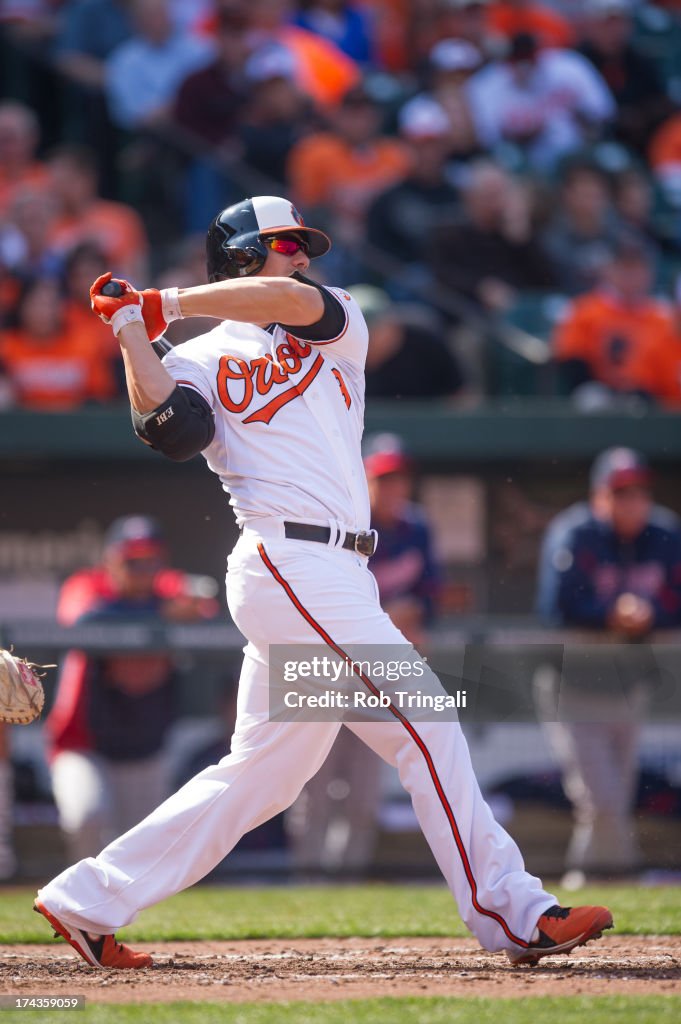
column 249, row 300
column 307, row 310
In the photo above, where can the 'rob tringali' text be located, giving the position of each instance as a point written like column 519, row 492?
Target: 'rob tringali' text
column 358, row 699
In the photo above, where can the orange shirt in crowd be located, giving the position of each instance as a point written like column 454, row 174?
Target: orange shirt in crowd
column 323, row 169
column 549, row 27
column 114, row 227
column 324, row 72
column 665, row 148
column 57, row 373
column 628, row 347
column 35, row 178
column 100, row 336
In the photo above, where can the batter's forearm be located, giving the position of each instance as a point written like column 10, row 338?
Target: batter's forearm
column 149, row 383
column 255, row 300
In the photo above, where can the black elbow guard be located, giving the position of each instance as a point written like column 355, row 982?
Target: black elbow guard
column 180, row 428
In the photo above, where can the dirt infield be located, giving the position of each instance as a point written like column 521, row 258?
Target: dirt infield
column 321, row 969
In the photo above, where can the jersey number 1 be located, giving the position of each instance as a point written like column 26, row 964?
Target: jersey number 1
column 341, row 384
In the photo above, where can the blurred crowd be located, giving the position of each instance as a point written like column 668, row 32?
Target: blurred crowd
column 490, row 172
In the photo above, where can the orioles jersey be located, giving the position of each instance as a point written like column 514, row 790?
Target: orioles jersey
column 273, row 393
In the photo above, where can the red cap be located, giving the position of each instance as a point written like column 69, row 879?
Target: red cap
column 130, row 549
column 620, row 467
column 135, row 537
column 383, row 463
column 630, row 478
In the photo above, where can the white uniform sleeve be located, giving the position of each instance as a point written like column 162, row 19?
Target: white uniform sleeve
column 352, row 341
column 189, row 373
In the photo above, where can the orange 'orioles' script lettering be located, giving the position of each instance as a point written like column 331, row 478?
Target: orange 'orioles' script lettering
column 239, row 380
column 341, row 384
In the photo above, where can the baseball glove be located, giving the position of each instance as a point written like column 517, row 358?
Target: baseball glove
column 21, row 692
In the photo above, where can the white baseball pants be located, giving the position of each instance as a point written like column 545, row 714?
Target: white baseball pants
column 298, row 592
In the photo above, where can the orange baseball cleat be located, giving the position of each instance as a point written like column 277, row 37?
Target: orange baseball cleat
column 97, row 951
column 559, row 930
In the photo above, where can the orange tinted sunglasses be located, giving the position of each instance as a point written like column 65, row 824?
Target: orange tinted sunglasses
column 288, row 246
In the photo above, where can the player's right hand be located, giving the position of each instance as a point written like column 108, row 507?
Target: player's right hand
column 109, row 307
column 106, row 305
column 631, row 615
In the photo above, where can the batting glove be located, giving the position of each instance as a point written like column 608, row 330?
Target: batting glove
column 117, row 310
column 160, row 308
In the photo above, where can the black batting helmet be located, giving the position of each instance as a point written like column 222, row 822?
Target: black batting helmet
column 234, row 243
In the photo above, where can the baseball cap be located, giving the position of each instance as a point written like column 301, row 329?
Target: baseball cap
column 454, row 55
column 384, row 454
column 423, row 118
column 135, row 537
column 620, row 467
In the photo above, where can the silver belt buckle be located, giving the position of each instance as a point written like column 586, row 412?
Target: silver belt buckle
column 366, row 542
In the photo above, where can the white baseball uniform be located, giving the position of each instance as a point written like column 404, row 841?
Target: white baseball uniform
column 289, row 418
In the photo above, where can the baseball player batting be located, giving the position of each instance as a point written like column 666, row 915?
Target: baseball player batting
column 273, row 397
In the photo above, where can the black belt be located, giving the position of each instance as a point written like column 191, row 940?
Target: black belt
column 363, row 542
